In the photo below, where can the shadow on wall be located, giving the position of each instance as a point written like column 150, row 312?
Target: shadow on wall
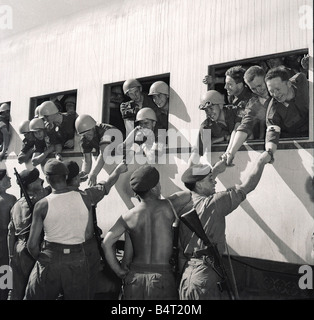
column 180, row 110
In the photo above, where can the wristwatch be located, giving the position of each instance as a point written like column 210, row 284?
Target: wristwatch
column 271, row 156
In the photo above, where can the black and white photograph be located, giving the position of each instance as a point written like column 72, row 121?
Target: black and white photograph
column 156, row 154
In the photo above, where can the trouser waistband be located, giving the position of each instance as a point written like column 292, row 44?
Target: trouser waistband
column 67, row 248
column 150, row 268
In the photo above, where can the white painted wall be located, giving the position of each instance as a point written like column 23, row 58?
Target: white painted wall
column 182, row 37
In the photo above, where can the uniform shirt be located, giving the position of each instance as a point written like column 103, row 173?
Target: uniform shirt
column 101, row 137
column 130, row 109
column 27, row 144
column 66, row 130
column 21, row 217
column 254, row 112
column 41, row 145
column 293, row 118
column 241, row 99
column 218, row 129
column 211, row 211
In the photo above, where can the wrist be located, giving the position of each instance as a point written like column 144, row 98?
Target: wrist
column 270, row 152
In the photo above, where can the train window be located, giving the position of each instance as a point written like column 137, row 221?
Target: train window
column 237, row 91
column 123, row 100
column 120, row 106
column 66, row 104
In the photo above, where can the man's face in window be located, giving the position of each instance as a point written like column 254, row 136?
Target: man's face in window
column 278, row 89
column 233, row 88
column 39, row 134
column 160, row 100
column 135, row 94
column 258, row 86
column 147, row 124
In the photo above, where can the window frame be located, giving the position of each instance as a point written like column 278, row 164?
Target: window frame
column 257, row 143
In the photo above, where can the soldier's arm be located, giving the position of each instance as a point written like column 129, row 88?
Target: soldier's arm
column 254, row 176
column 108, row 244
column 39, row 214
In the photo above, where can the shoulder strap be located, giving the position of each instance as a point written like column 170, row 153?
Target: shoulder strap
column 175, row 213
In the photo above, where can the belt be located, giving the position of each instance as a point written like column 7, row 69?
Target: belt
column 67, row 248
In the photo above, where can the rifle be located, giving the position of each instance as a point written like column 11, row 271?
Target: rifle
column 192, row 221
column 98, row 232
column 27, row 198
column 23, row 191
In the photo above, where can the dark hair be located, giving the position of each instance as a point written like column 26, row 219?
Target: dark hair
column 190, row 186
column 236, row 73
column 277, row 72
column 54, row 179
column 252, row 72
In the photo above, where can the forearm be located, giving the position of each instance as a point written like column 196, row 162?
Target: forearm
column 87, row 163
column 238, row 140
column 254, row 177
column 112, row 260
column 99, row 165
column 34, row 251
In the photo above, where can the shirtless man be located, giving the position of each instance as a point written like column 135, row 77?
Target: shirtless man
column 148, row 224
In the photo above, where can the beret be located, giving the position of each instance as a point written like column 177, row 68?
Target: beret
column 2, row 173
column 55, row 167
column 28, row 176
column 196, row 173
column 73, row 168
column 144, row 178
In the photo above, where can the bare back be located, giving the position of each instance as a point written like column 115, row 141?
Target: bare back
column 150, row 229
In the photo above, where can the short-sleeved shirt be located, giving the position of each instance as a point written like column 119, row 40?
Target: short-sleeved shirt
column 218, row 129
column 211, row 211
column 41, row 145
column 254, row 112
column 101, row 137
column 66, row 130
column 293, row 119
column 27, row 144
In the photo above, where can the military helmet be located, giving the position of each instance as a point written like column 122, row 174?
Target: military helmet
column 84, row 123
column 47, row 108
column 211, row 97
column 36, row 124
column 146, row 113
column 4, row 107
column 159, row 87
column 24, row 127
column 129, row 84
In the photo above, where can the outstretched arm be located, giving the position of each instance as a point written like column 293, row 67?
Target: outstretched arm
column 254, row 176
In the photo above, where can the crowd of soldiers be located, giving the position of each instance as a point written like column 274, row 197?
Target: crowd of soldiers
column 50, row 237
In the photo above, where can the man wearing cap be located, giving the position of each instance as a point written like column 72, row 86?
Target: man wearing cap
column 95, row 194
column 28, row 142
column 147, row 136
column 159, row 91
column 93, row 137
column 60, row 125
column 21, row 261
column 5, row 134
column 198, row 281
column 149, row 276
column 132, row 88
column 62, row 265
column 6, row 203
column 70, row 105
column 220, row 120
